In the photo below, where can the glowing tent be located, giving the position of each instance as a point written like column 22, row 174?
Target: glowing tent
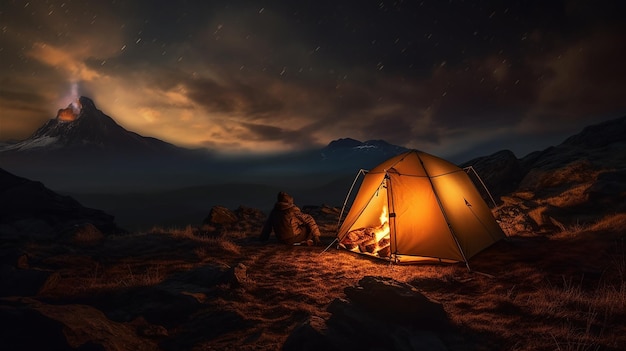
column 416, row 206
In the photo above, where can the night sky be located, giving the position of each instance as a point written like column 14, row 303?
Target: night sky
column 448, row 77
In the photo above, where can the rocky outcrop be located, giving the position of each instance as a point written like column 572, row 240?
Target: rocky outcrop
column 600, row 135
column 379, row 313
column 602, row 145
column 221, row 220
column 32, row 325
column 577, row 181
column 501, row 172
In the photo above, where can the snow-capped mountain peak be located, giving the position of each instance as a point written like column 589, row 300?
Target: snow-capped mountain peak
column 82, row 128
column 351, row 152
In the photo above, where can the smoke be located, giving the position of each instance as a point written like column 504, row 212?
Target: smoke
column 72, row 111
column 76, row 107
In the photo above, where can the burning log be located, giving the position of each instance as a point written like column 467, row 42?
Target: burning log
column 373, row 240
column 365, row 240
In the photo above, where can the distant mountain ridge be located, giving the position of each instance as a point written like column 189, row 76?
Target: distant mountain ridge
column 83, row 148
column 346, row 147
column 85, row 153
column 30, row 209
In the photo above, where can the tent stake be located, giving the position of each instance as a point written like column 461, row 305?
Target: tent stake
column 485, row 274
column 328, row 247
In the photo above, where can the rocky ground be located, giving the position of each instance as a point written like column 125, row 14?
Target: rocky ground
column 216, row 287
column 71, row 280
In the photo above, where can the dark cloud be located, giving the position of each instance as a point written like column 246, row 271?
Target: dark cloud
column 247, row 76
column 491, row 92
column 291, row 137
column 22, row 100
column 234, row 97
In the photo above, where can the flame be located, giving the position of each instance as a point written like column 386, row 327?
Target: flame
column 382, row 232
column 373, row 240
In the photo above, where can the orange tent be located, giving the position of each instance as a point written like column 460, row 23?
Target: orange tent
column 416, row 206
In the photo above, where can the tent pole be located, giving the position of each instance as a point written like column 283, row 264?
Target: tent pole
column 479, row 220
column 361, row 171
column 391, row 209
column 482, row 183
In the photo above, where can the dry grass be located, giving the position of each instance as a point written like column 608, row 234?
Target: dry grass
column 573, row 196
column 538, row 215
column 142, row 259
column 565, row 292
column 580, row 172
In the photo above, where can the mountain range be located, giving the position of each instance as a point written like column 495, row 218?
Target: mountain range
column 83, row 149
column 84, row 153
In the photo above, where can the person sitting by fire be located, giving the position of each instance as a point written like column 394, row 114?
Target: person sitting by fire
column 289, row 224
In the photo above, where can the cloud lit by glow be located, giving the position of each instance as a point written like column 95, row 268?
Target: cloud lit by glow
column 295, row 76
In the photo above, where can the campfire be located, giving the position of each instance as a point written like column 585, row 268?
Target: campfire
column 372, row 240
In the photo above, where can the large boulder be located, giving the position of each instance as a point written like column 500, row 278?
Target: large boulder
column 220, row 215
column 29, row 324
column 379, row 313
column 574, row 183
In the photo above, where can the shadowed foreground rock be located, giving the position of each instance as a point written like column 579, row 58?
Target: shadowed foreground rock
column 38, row 326
column 380, row 313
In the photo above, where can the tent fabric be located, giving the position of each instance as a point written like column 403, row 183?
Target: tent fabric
column 434, row 209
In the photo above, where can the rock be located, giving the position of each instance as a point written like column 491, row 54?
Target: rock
column 170, row 302
column 609, row 190
column 501, row 172
column 312, row 335
column 402, row 302
column 165, row 305
column 220, row 215
column 29, row 324
column 574, row 183
column 219, row 221
column 24, row 328
column 222, row 221
column 249, row 214
column 600, row 135
column 237, row 276
column 379, row 313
